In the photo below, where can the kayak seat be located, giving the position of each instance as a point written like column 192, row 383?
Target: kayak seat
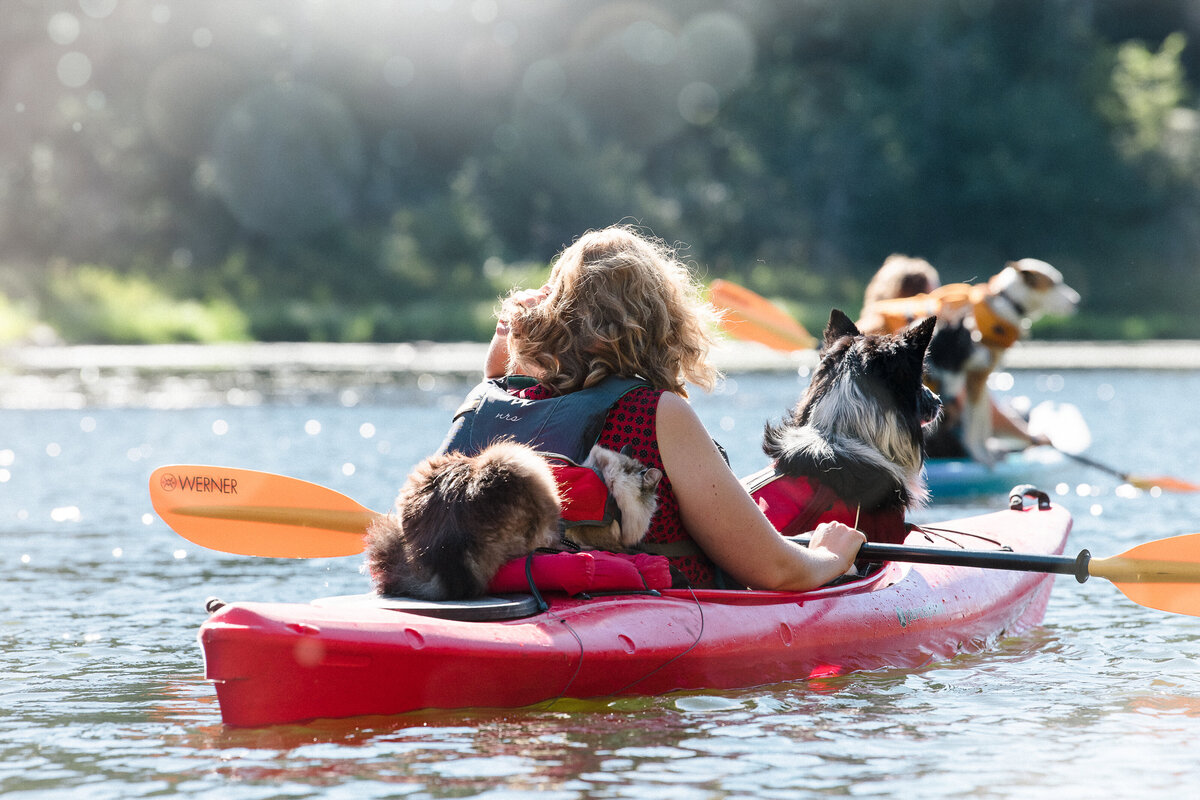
column 489, row 608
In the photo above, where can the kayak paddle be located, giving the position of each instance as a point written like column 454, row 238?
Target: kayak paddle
column 754, row 318
column 253, row 513
column 1164, row 482
column 1163, row 574
column 1063, row 425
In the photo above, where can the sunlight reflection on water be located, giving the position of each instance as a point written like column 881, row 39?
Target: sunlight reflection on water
column 102, row 674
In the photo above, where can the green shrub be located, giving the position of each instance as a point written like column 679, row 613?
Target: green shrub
column 16, row 321
column 445, row 319
column 98, row 305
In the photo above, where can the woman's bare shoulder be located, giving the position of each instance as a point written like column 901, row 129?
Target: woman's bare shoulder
column 677, row 421
column 675, row 406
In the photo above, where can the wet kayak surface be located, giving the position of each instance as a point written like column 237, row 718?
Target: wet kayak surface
column 103, row 685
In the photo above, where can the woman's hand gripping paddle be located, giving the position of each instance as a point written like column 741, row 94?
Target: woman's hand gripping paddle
column 260, row 514
column 753, row 318
column 257, row 513
column 1063, row 425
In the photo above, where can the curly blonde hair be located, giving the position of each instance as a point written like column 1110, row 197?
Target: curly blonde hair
column 619, row 303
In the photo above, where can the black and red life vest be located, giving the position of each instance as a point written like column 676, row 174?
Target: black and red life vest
column 563, row 428
column 796, row 504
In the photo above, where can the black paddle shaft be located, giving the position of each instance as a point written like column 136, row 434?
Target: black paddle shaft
column 985, row 559
column 1087, row 462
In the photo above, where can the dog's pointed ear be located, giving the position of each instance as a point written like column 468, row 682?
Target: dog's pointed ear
column 627, row 450
column 650, row 478
column 839, row 325
column 918, row 335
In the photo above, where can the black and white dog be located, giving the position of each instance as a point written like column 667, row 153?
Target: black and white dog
column 852, row 448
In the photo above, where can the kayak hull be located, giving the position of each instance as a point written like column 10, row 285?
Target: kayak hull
column 963, row 478
column 287, row 662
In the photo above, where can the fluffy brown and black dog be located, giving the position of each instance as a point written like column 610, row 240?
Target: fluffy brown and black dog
column 459, row 518
column 852, row 449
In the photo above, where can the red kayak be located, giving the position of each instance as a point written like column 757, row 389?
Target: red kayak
column 349, row 656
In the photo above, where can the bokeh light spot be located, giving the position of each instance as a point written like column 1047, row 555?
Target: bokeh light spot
column 544, row 81
column 74, row 69
column 63, row 28
column 699, row 103
column 399, row 71
column 98, row 9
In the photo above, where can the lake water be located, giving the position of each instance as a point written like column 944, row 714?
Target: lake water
column 103, row 693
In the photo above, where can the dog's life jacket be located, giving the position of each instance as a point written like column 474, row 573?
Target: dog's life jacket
column 562, row 428
column 953, row 298
column 795, row 505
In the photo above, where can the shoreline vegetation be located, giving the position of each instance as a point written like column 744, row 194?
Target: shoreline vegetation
column 99, row 307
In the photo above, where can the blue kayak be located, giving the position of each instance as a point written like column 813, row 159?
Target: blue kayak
column 961, row 478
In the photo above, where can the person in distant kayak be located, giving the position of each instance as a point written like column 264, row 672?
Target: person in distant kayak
column 620, row 304
column 900, row 276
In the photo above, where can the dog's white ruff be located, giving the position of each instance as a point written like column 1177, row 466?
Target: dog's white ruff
column 844, row 422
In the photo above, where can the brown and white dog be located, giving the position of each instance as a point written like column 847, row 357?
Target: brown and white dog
column 994, row 316
column 1020, row 294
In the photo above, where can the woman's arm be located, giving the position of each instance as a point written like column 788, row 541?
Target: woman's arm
column 724, row 520
column 1005, row 423
column 495, row 364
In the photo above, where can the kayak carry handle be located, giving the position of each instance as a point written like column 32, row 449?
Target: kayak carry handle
column 1016, row 497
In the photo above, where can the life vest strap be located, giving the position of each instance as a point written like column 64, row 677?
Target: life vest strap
column 680, row 549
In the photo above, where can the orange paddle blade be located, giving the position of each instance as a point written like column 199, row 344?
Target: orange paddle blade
column 751, row 317
column 1163, row 574
column 1164, row 482
column 258, row 513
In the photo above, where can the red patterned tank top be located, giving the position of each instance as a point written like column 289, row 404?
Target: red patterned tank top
column 633, row 421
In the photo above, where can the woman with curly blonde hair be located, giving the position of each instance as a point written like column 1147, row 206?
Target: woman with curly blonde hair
column 619, row 303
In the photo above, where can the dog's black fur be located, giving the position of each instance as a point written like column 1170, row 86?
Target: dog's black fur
column 858, row 426
column 949, row 351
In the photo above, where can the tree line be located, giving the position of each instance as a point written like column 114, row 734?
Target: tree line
column 294, row 169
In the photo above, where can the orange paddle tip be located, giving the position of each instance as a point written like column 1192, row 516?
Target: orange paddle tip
column 751, row 317
column 1164, row 482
